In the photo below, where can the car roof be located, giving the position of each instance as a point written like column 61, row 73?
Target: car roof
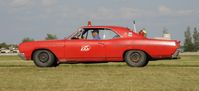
column 118, row 29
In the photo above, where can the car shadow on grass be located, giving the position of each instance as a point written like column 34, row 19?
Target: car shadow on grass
column 167, row 65
column 14, row 66
column 125, row 65
column 100, row 65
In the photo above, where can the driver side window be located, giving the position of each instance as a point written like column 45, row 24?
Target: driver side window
column 102, row 34
column 90, row 37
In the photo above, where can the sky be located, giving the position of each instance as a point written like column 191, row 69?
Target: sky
column 36, row 18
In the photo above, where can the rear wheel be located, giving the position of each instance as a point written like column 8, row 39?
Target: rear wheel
column 136, row 58
column 44, row 58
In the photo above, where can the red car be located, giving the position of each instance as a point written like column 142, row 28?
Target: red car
column 99, row 44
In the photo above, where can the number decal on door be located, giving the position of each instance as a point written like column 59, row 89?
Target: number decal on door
column 85, row 48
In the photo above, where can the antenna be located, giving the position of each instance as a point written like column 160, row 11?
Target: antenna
column 134, row 26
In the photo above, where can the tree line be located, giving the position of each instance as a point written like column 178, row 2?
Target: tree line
column 7, row 46
column 191, row 42
column 27, row 39
column 48, row 37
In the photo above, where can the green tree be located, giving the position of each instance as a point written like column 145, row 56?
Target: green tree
column 4, row 45
column 51, row 37
column 27, row 39
column 196, row 39
column 188, row 45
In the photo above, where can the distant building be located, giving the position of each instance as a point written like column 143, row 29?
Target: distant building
column 167, row 36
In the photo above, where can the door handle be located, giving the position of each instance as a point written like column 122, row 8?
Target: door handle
column 101, row 43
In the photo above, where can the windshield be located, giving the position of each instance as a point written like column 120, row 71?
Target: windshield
column 75, row 34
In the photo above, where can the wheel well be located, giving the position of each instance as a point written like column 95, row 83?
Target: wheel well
column 148, row 56
column 42, row 49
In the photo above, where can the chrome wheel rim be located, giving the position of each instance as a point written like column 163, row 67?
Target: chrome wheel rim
column 135, row 57
column 43, row 57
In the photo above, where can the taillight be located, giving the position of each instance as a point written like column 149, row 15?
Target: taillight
column 177, row 43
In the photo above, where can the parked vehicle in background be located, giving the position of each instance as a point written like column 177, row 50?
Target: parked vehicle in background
column 13, row 50
column 114, row 44
column 3, row 50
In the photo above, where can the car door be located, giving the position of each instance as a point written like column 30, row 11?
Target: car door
column 84, row 50
column 114, row 46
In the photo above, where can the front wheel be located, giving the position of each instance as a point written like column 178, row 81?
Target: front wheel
column 136, row 58
column 44, row 58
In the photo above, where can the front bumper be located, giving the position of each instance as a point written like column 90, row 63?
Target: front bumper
column 176, row 54
column 22, row 56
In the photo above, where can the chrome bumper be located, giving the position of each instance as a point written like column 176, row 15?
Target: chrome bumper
column 176, row 54
column 22, row 56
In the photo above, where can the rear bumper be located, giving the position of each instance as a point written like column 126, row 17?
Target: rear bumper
column 22, row 56
column 176, row 54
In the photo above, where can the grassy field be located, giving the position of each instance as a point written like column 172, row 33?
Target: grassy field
column 169, row 75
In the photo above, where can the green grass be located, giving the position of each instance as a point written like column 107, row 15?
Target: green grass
column 169, row 75
column 9, row 58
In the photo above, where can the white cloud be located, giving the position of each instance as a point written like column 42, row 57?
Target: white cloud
column 48, row 2
column 52, row 8
column 186, row 12
column 20, row 3
column 122, row 13
column 164, row 9
column 129, row 12
column 103, row 13
column 26, row 4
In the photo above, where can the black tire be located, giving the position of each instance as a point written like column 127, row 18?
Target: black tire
column 136, row 58
column 44, row 58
